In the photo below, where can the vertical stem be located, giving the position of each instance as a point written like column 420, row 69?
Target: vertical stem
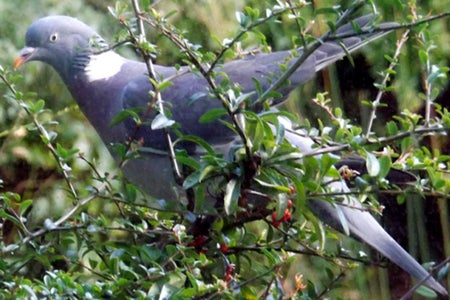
column 159, row 102
column 376, row 102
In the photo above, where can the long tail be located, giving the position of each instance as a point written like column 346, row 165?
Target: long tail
column 361, row 224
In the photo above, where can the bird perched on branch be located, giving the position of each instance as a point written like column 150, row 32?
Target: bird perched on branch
column 104, row 84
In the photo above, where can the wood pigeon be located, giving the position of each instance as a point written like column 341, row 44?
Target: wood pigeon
column 104, row 83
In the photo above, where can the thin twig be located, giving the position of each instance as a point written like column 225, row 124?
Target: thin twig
column 181, row 44
column 159, row 102
column 392, row 27
column 58, row 222
column 387, row 76
column 378, row 141
column 411, row 291
column 426, row 84
column 329, row 287
column 299, row 26
column 233, row 41
column 44, row 133
column 307, row 52
column 259, row 248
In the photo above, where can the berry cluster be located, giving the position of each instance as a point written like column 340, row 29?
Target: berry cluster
column 287, row 215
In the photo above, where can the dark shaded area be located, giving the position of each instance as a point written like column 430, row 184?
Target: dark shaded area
column 23, row 179
column 352, row 81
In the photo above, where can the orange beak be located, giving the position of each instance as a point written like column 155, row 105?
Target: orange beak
column 19, row 61
column 23, row 57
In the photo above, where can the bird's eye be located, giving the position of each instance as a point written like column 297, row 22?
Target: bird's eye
column 53, row 37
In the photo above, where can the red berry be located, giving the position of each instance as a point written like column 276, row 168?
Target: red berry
column 287, row 215
column 229, row 272
column 291, row 189
column 199, row 241
column 275, row 222
column 229, row 268
column 224, row 248
column 289, row 203
column 274, row 216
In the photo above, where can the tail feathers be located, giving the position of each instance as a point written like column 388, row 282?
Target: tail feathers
column 363, row 225
column 334, row 50
column 330, row 52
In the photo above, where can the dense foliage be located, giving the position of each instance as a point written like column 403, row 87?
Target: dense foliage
column 74, row 228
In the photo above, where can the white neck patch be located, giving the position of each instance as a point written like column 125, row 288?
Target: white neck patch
column 103, row 66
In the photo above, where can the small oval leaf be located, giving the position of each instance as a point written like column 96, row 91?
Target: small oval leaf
column 372, row 164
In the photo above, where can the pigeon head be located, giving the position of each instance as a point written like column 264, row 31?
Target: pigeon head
column 63, row 42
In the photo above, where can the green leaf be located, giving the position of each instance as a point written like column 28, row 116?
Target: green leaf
column 276, row 187
column 389, row 58
column 131, row 192
column 385, row 166
column 161, row 121
column 196, row 96
column 242, row 19
column 281, row 199
column 232, row 193
column 65, row 154
column 253, row 13
column 360, row 183
column 10, row 248
column 187, row 161
column 117, row 253
column 24, row 205
column 37, row 106
column 170, row 13
column 258, row 86
column 212, row 115
column 326, row 11
column 269, row 255
column 205, row 172
column 423, row 56
column 342, row 219
column 426, row 292
column 48, row 137
column 406, row 143
column 126, row 114
column 280, row 134
column 92, row 228
column 392, row 128
column 191, row 180
column 372, row 165
column 326, row 162
column 435, row 74
column 199, row 141
column 311, row 166
column 236, row 102
column 273, row 94
column 163, row 85
column 444, row 271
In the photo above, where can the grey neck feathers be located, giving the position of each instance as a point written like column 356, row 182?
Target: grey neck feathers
column 83, row 55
